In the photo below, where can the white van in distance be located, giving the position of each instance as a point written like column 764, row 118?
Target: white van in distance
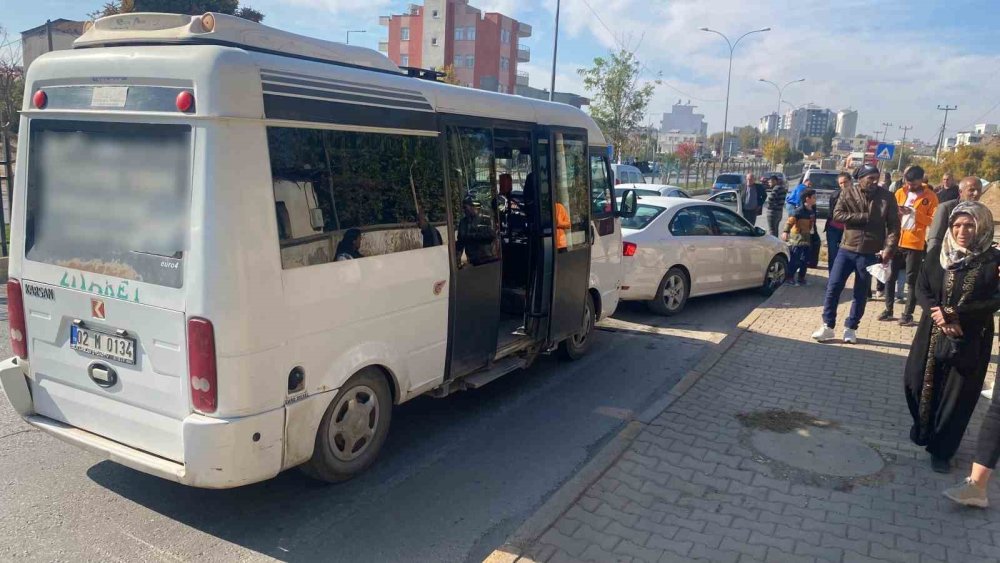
column 235, row 249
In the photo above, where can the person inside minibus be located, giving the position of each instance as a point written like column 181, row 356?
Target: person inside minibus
column 350, row 246
column 476, row 237
column 562, row 225
column 430, row 235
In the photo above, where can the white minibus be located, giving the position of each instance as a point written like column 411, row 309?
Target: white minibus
column 236, row 249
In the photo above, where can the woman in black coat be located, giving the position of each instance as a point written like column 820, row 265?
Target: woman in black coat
column 958, row 290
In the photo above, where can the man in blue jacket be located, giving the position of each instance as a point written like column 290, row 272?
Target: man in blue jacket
column 794, row 199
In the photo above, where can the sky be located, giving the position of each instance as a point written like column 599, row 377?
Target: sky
column 894, row 61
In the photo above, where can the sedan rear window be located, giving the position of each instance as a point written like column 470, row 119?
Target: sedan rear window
column 824, row 181
column 644, row 215
column 728, row 179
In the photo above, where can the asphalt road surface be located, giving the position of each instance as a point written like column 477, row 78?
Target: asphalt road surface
column 457, row 476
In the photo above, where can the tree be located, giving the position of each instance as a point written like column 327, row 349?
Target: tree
column 619, row 101
column 777, row 151
column 969, row 160
column 827, row 146
column 192, row 7
column 449, row 76
column 685, row 152
column 749, row 138
column 715, row 142
column 11, row 82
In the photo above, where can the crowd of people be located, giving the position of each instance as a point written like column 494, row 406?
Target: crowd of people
column 940, row 241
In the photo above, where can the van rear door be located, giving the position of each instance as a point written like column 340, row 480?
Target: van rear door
column 106, row 227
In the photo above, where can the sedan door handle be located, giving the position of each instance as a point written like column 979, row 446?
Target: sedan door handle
column 692, row 248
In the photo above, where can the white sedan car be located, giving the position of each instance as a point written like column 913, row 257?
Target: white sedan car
column 665, row 190
column 680, row 248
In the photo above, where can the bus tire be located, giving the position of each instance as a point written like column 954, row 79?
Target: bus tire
column 577, row 346
column 672, row 293
column 353, row 428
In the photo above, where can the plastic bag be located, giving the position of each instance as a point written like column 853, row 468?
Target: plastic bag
column 909, row 221
column 880, row 272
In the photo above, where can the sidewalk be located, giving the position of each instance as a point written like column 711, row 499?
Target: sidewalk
column 754, row 462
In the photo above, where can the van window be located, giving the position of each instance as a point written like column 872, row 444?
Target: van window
column 600, row 187
column 471, row 175
column 384, row 190
column 110, row 198
column 571, row 191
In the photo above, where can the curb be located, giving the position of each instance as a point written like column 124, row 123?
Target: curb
column 515, row 547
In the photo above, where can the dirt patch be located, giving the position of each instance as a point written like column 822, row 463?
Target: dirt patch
column 991, row 199
column 781, row 421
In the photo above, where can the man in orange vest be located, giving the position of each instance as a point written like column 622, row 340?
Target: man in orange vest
column 917, row 203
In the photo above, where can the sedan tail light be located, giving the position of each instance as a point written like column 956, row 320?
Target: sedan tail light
column 629, row 248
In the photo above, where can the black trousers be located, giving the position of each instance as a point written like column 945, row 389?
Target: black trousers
column 911, row 261
column 988, row 449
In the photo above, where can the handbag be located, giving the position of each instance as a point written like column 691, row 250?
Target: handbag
column 947, row 349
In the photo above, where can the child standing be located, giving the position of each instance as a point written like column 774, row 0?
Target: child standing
column 798, row 235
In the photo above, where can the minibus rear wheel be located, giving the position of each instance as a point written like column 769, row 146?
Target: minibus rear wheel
column 577, row 346
column 353, row 428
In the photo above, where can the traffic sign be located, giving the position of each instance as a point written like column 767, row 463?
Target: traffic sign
column 884, row 151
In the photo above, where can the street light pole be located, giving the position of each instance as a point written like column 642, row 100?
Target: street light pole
column 354, row 31
column 729, row 77
column 899, row 163
column 781, row 90
column 555, row 49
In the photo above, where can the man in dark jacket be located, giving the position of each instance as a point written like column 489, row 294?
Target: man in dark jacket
column 753, row 200
column 949, row 190
column 833, row 229
column 871, row 231
column 970, row 189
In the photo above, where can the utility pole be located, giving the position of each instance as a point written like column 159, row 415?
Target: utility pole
column 48, row 33
column 937, row 151
column 555, row 50
column 904, row 128
column 885, row 133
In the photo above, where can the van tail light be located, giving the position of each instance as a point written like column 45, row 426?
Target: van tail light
column 201, row 365
column 617, row 181
column 15, row 316
column 629, row 248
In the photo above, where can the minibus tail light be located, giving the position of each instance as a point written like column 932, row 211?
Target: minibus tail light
column 185, row 101
column 15, row 316
column 629, row 248
column 40, row 99
column 201, row 365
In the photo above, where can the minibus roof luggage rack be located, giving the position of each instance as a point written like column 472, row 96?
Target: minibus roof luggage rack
column 146, row 28
column 423, row 73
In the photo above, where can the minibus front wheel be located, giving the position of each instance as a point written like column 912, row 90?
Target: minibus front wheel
column 353, row 428
column 577, row 346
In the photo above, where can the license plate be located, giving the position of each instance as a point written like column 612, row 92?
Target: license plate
column 103, row 345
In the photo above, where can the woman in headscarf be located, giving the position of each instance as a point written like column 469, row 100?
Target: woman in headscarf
column 350, row 246
column 958, row 290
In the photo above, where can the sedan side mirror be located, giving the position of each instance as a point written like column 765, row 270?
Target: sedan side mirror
column 629, row 205
column 759, row 231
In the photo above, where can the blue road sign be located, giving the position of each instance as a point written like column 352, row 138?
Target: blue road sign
column 884, row 151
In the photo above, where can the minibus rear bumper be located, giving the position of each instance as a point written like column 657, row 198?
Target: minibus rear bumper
column 220, row 453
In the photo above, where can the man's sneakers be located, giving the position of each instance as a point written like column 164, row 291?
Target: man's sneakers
column 823, row 334
column 885, row 316
column 968, row 494
column 850, row 336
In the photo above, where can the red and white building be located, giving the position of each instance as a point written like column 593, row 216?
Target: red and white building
column 484, row 48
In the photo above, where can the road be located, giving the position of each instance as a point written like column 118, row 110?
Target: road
column 458, row 475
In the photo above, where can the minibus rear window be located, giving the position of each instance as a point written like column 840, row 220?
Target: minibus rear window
column 110, row 198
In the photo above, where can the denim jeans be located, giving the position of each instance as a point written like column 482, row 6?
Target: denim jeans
column 798, row 265
column 833, row 238
column 848, row 263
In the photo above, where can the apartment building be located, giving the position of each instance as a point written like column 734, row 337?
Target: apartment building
column 484, row 48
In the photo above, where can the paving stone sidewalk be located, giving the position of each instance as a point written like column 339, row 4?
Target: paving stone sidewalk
column 692, row 486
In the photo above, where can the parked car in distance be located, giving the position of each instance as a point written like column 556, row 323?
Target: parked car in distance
column 627, row 174
column 825, row 184
column 729, row 181
column 676, row 248
column 766, row 175
column 660, row 190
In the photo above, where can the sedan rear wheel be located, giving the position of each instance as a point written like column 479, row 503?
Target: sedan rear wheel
column 672, row 295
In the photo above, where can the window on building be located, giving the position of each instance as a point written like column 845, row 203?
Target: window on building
column 459, row 33
column 505, row 36
column 434, row 13
column 404, row 34
column 434, row 41
column 404, row 60
column 504, row 63
column 470, row 33
column 470, row 61
column 332, row 185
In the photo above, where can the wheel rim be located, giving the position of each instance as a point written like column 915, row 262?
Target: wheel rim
column 580, row 338
column 673, row 292
column 776, row 273
column 355, row 421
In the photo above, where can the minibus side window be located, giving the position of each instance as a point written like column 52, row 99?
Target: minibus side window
column 572, row 197
column 473, row 189
column 601, row 190
column 343, row 195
